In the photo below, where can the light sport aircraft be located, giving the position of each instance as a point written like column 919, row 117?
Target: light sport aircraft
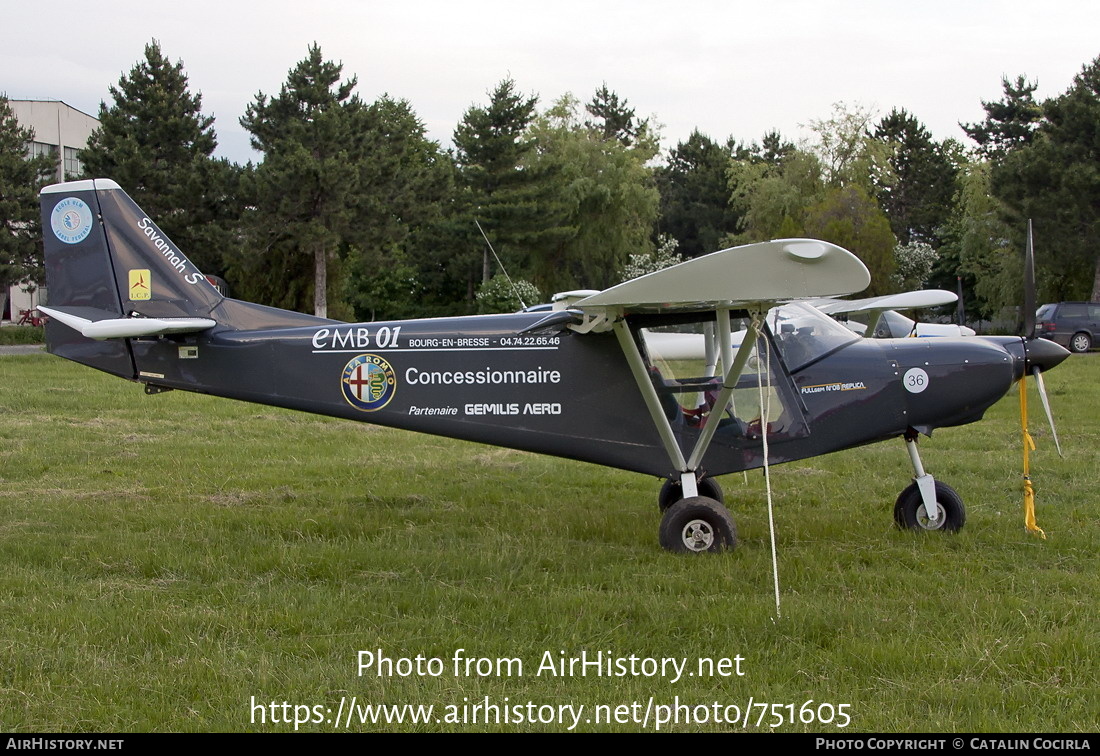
column 582, row 381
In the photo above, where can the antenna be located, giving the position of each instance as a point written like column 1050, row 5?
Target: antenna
column 502, row 268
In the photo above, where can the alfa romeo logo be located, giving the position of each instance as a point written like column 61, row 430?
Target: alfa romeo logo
column 368, row 382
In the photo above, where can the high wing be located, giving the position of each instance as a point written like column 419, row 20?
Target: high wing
column 743, row 277
column 893, row 325
column 887, row 322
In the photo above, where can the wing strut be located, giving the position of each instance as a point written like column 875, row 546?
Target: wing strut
column 649, row 393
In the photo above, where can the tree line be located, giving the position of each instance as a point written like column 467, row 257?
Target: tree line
column 354, row 213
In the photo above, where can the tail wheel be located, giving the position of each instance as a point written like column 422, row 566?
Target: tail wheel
column 910, row 512
column 698, row 524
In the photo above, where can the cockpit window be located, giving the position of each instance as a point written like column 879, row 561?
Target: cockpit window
column 685, row 366
column 804, row 334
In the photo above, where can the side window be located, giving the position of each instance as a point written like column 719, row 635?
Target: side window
column 687, row 374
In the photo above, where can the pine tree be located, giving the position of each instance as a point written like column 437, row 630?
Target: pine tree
column 695, row 195
column 313, row 136
column 20, row 180
column 156, row 143
column 1054, row 179
column 496, row 184
column 406, row 187
column 918, row 202
column 1010, row 123
column 490, row 141
column 614, row 119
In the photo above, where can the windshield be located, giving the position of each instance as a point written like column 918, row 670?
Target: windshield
column 804, row 334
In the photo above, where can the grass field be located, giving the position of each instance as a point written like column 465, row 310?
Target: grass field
column 167, row 561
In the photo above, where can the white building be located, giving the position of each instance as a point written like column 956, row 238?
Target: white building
column 60, row 131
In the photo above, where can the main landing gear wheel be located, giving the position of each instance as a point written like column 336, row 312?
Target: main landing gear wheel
column 672, row 491
column 697, row 524
column 910, row 512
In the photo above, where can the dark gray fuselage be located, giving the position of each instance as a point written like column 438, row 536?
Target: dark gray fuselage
column 571, row 395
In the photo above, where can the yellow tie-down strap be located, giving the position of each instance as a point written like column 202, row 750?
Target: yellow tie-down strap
column 1029, row 446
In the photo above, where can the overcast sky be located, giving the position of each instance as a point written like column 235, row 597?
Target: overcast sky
column 726, row 68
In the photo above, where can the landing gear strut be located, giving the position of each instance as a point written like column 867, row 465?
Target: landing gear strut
column 927, row 504
column 673, row 490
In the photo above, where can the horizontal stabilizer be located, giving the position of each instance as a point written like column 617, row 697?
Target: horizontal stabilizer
column 127, row 328
column 753, row 274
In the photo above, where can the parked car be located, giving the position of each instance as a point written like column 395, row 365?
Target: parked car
column 1074, row 325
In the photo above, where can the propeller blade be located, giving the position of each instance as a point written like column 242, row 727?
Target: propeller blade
column 1046, row 406
column 1029, row 286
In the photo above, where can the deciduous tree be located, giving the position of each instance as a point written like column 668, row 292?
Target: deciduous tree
column 771, row 190
column 606, row 194
column 849, row 154
column 848, row 216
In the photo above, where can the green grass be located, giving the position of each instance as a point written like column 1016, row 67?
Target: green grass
column 165, row 559
column 11, row 335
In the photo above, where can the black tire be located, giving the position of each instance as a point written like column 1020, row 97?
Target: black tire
column 1080, row 342
column 673, row 491
column 696, row 525
column 909, row 512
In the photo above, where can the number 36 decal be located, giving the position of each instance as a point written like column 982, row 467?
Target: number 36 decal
column 915, row 380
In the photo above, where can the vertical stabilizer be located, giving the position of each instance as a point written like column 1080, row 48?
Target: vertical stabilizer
column 106, row 259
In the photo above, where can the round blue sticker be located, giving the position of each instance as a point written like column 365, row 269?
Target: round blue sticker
column 368, row 382
column 71, row 220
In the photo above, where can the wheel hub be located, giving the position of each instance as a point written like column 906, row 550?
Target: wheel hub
column 698, row 535
column 926, row 522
